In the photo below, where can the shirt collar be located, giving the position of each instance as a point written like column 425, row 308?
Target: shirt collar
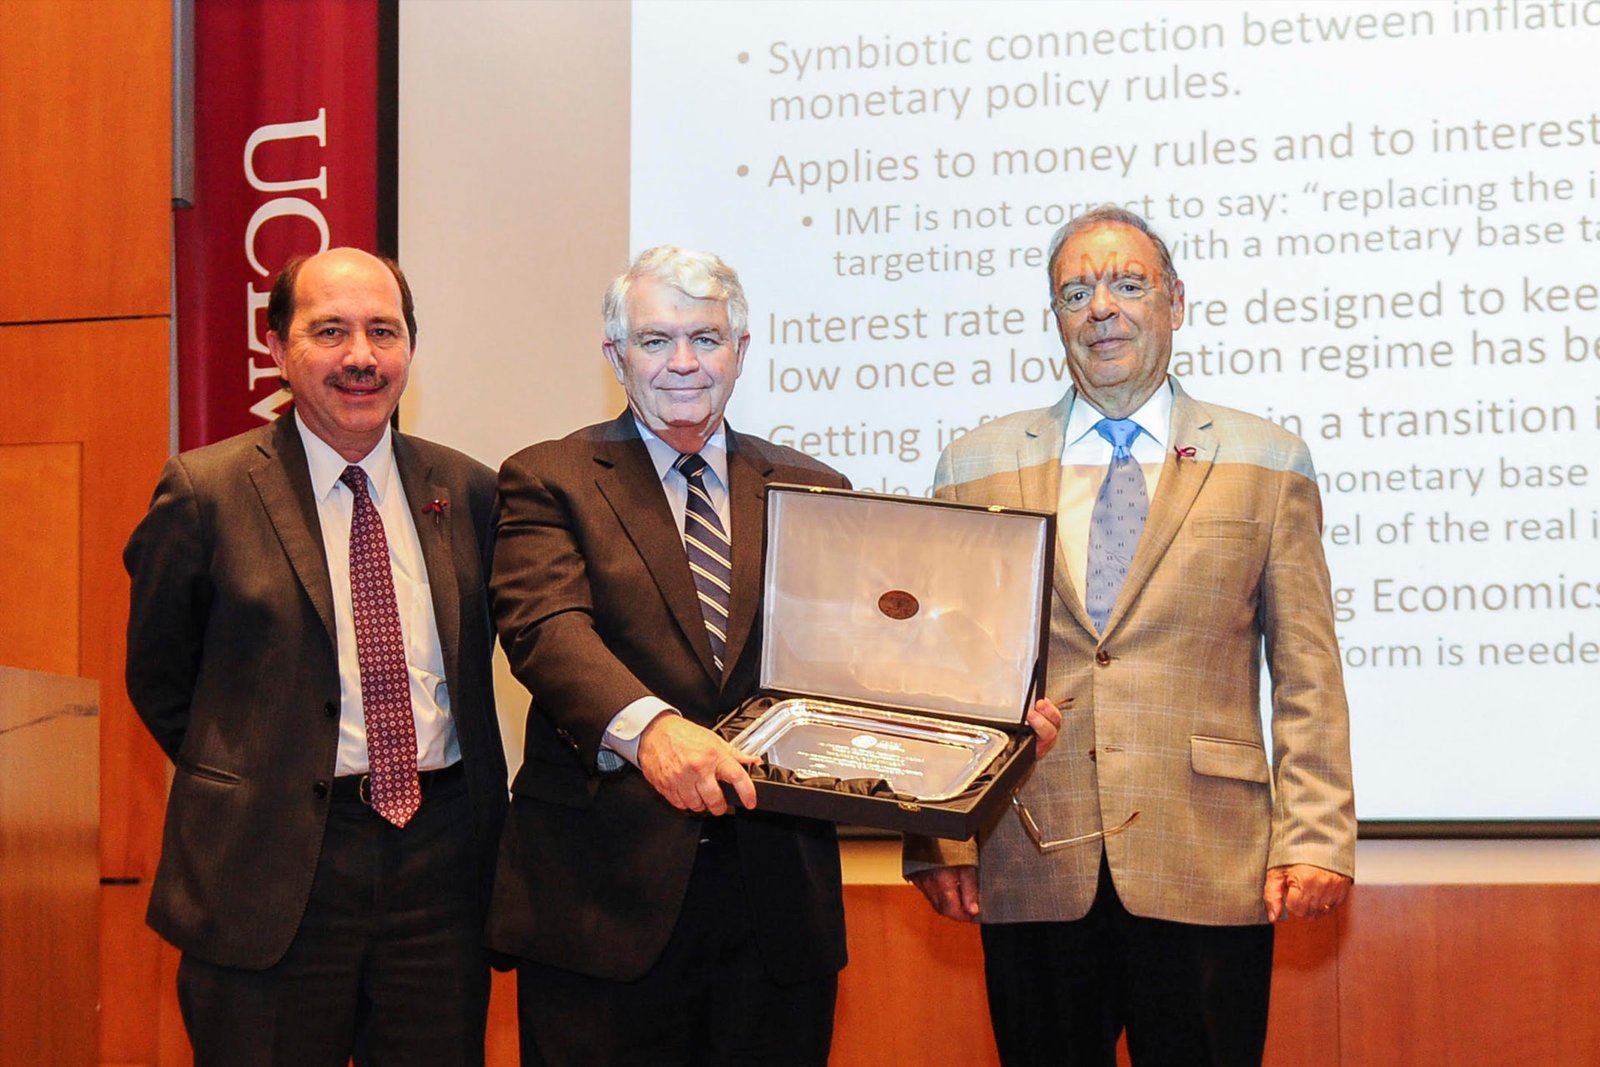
column 326, row 465
column 1154, row 416
column 663, row 455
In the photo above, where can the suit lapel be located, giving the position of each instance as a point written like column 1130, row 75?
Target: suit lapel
column 1039, row 468
column 1182, row 475
column 747, row 480
column 627, row 479
column 283, row 483
column 434, row 534
column 1039, row 458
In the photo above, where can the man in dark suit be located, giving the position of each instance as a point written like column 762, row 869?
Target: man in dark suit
column 652, row 926
column 310, row 644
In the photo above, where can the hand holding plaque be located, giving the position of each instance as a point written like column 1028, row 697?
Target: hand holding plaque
column 1044, row 718
column 687, row 763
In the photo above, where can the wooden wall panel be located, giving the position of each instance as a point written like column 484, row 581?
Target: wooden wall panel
column 1472, row 976
column 914, row 986
column 889, row 1014
column 100, row 388
column 49, row 869
column 85, row 192
column 133, row 993
column 1303, row 1026
column 1465, row 976
column 501, row 1046
column 85, row 187
column 39, row 556
column 85, row 159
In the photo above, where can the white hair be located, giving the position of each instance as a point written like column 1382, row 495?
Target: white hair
column 700, row 275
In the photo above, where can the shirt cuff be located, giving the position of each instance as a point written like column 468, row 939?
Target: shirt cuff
column 622, row 734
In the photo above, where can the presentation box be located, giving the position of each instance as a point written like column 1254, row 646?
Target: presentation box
column 903, row 642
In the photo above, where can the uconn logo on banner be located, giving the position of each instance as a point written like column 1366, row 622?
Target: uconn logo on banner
column 282, row 206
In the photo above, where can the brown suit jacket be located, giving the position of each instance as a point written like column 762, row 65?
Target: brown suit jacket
column 233, row 667
column 1165, row 706
column 596, row 608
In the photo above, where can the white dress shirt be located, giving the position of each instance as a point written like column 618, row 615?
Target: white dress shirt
column 1085, row 458
column 622, row 735
column 437, row 745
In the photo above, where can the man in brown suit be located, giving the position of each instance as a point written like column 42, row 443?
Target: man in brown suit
column 650, row 925
column 1165, row 835
column 325, row 865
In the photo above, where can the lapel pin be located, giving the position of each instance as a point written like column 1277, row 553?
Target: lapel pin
column 1184, row 451
column 435, row 508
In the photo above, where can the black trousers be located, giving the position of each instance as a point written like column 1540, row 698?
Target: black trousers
column 707, row 1002
column 388, row 965
column 1060, row 994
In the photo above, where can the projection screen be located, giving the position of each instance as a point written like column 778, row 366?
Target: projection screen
column 1386, row 216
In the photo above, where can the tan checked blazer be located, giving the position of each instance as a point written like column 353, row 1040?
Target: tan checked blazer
column 1164, row 715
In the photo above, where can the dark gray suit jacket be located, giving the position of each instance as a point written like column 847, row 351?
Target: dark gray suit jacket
column 232, row 666
column 596, row 608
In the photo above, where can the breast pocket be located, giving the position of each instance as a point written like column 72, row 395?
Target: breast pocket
column 1227, row 529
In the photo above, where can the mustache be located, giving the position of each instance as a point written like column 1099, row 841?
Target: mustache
column 358, row 377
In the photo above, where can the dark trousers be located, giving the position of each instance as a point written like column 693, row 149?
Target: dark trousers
column 387, row 966
column 706, row 1002
column 1189, row 996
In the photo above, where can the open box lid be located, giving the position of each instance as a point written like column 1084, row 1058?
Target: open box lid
column 901, row 602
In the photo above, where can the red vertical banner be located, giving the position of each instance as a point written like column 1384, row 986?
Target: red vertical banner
column 285, row 162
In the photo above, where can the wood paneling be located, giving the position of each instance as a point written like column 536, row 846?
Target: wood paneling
column 914, row 986
column 1464, row 976
column 1472, row 976
column 39, row 539
column 1303, row 1026
column 138, row 985
column 85, row 188
column 1436, row 976
column 99, row 389
column 49, row 869
column 85, row 159
column 501, row 1046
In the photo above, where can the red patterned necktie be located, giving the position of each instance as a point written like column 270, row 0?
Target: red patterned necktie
column 380, row 650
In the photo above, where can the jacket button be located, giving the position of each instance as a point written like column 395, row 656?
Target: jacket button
column 1091, row 756
column 319, row 789
column 331, row 710
column 1102, row 657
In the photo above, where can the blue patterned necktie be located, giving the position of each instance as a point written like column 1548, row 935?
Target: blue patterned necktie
column 381, row 653
column 1118, row 519
column 710, row 554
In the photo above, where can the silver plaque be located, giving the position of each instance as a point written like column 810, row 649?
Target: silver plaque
column 926, row 758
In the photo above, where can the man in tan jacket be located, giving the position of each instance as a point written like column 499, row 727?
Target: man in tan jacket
column 1157, row 845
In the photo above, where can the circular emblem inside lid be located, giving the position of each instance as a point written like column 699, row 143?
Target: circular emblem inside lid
column 898, row 604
